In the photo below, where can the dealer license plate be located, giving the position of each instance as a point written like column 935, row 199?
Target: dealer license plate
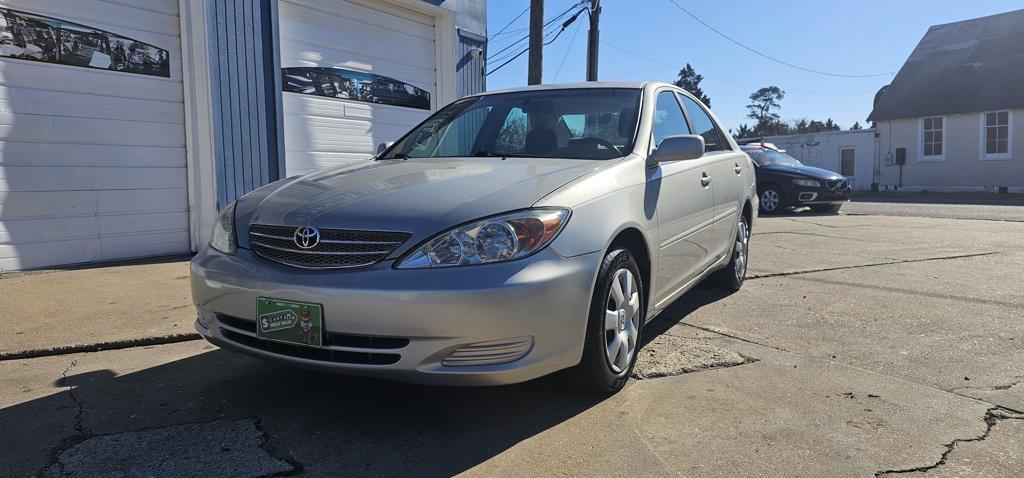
column 289, row 321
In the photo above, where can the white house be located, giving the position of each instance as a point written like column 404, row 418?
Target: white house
column 128, row 124
column 953, row 118
column 850, row 153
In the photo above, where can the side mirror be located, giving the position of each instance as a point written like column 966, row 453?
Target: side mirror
column 384, row 147
column 677, row 148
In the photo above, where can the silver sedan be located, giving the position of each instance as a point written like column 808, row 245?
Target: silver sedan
column 510, row 235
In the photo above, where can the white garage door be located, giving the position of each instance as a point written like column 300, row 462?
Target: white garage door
column 356, row 74
column 92, row 157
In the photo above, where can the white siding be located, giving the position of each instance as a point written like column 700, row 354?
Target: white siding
column 963, row 167
column 823, row 150
column 372, row 37
column 92, row 162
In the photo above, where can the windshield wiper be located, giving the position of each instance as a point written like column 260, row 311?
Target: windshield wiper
column 484, row 154
column 399, row 156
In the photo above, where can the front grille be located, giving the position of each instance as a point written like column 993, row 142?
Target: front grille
column 310, row 353
column 330, row 338
column 835, row 184
column 337, row 248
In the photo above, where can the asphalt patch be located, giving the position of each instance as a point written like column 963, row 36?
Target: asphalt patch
column 669, row 355
column 229, row 448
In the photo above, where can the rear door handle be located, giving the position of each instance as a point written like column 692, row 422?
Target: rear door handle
column 738, row 169
column 705, row 180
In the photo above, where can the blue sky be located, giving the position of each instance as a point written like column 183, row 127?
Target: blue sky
column 857, row 38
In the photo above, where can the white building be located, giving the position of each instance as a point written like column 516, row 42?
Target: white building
column 850, row 153
column 127, row 125
column 951, row 120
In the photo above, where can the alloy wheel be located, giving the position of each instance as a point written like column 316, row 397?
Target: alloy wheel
column 740, row 249
column 769, row 200
column 622, row 320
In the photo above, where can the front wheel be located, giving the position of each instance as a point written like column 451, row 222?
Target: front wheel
column 614, row 325
column 771, row 200
column 731, row 276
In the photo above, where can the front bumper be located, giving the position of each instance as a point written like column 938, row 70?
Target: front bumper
column 545, row 298
column 803, row 196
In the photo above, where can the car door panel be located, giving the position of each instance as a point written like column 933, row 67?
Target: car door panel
column 685, row 224
column 726, row 171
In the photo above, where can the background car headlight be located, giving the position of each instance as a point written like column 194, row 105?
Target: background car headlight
column 494, row 239
column 223, row 238
column 810, row 183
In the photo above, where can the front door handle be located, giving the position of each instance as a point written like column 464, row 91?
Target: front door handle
column 738, row 169
column 705, row 180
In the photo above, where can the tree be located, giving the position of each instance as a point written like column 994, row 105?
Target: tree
column 856, row 126
column 744, row 131
column 689, row 80
column 762, row 102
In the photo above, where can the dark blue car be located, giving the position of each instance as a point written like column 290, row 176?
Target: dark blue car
column 784, row 183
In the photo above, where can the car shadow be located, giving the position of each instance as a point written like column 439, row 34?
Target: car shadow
column 326, row 424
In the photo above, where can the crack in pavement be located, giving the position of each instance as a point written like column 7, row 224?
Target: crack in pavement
column 78, row 426
column 992, row 416
column 99, row 346
column 873, row 264
column 992, row 388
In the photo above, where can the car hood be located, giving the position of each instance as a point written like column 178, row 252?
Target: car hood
column 418, row 196
column 808, row 171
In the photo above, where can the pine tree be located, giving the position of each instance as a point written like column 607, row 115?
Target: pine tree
column 689, row 80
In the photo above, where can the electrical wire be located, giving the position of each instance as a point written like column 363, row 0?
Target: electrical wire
column 510, row 22
column 724, row 80
column 767, row 56
column 567, row 50
column 565, row 25
column 546, row 24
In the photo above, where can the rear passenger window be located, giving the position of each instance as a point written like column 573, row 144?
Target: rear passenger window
column 703, row 125
column 668, row 118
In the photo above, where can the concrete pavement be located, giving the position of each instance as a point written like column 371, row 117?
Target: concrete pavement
column 872, row 345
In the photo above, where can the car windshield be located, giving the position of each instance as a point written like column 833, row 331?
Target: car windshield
column 770, row 157
column 581, row 123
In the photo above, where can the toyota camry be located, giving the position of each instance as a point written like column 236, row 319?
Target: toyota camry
column 510, row 235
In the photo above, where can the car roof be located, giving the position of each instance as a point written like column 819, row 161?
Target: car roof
column 583, row 84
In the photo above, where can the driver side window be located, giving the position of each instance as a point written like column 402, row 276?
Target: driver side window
column 668, row 118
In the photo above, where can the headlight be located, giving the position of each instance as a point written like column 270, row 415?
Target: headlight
column 810, row 183
column 495, row 239
column 223, row 238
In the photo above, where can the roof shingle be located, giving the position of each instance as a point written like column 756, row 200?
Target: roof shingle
column 968, row 66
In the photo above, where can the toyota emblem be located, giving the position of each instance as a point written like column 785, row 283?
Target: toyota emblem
column 307, row 237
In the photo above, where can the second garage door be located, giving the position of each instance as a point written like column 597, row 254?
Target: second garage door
column 354, row 75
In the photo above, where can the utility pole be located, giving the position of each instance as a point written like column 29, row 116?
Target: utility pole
column 593, row 39
column 536, row 69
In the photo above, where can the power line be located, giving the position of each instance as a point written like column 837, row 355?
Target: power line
column 724, row 80
column 765, row 55
column 565, row 25
column 567, row 50
column 511, row 22
column 498, row 56
column 546, row 24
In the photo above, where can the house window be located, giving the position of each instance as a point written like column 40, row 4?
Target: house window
column 997, row 133
column 932, row 140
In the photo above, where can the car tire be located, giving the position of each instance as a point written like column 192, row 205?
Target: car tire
column 771, row 200
column 731, row 276
column 605, row 367
column 826, row 208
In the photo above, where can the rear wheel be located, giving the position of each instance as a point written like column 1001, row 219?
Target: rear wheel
column 771, row 200
column 731, row 276
column 826, row 208
column 614, row 326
